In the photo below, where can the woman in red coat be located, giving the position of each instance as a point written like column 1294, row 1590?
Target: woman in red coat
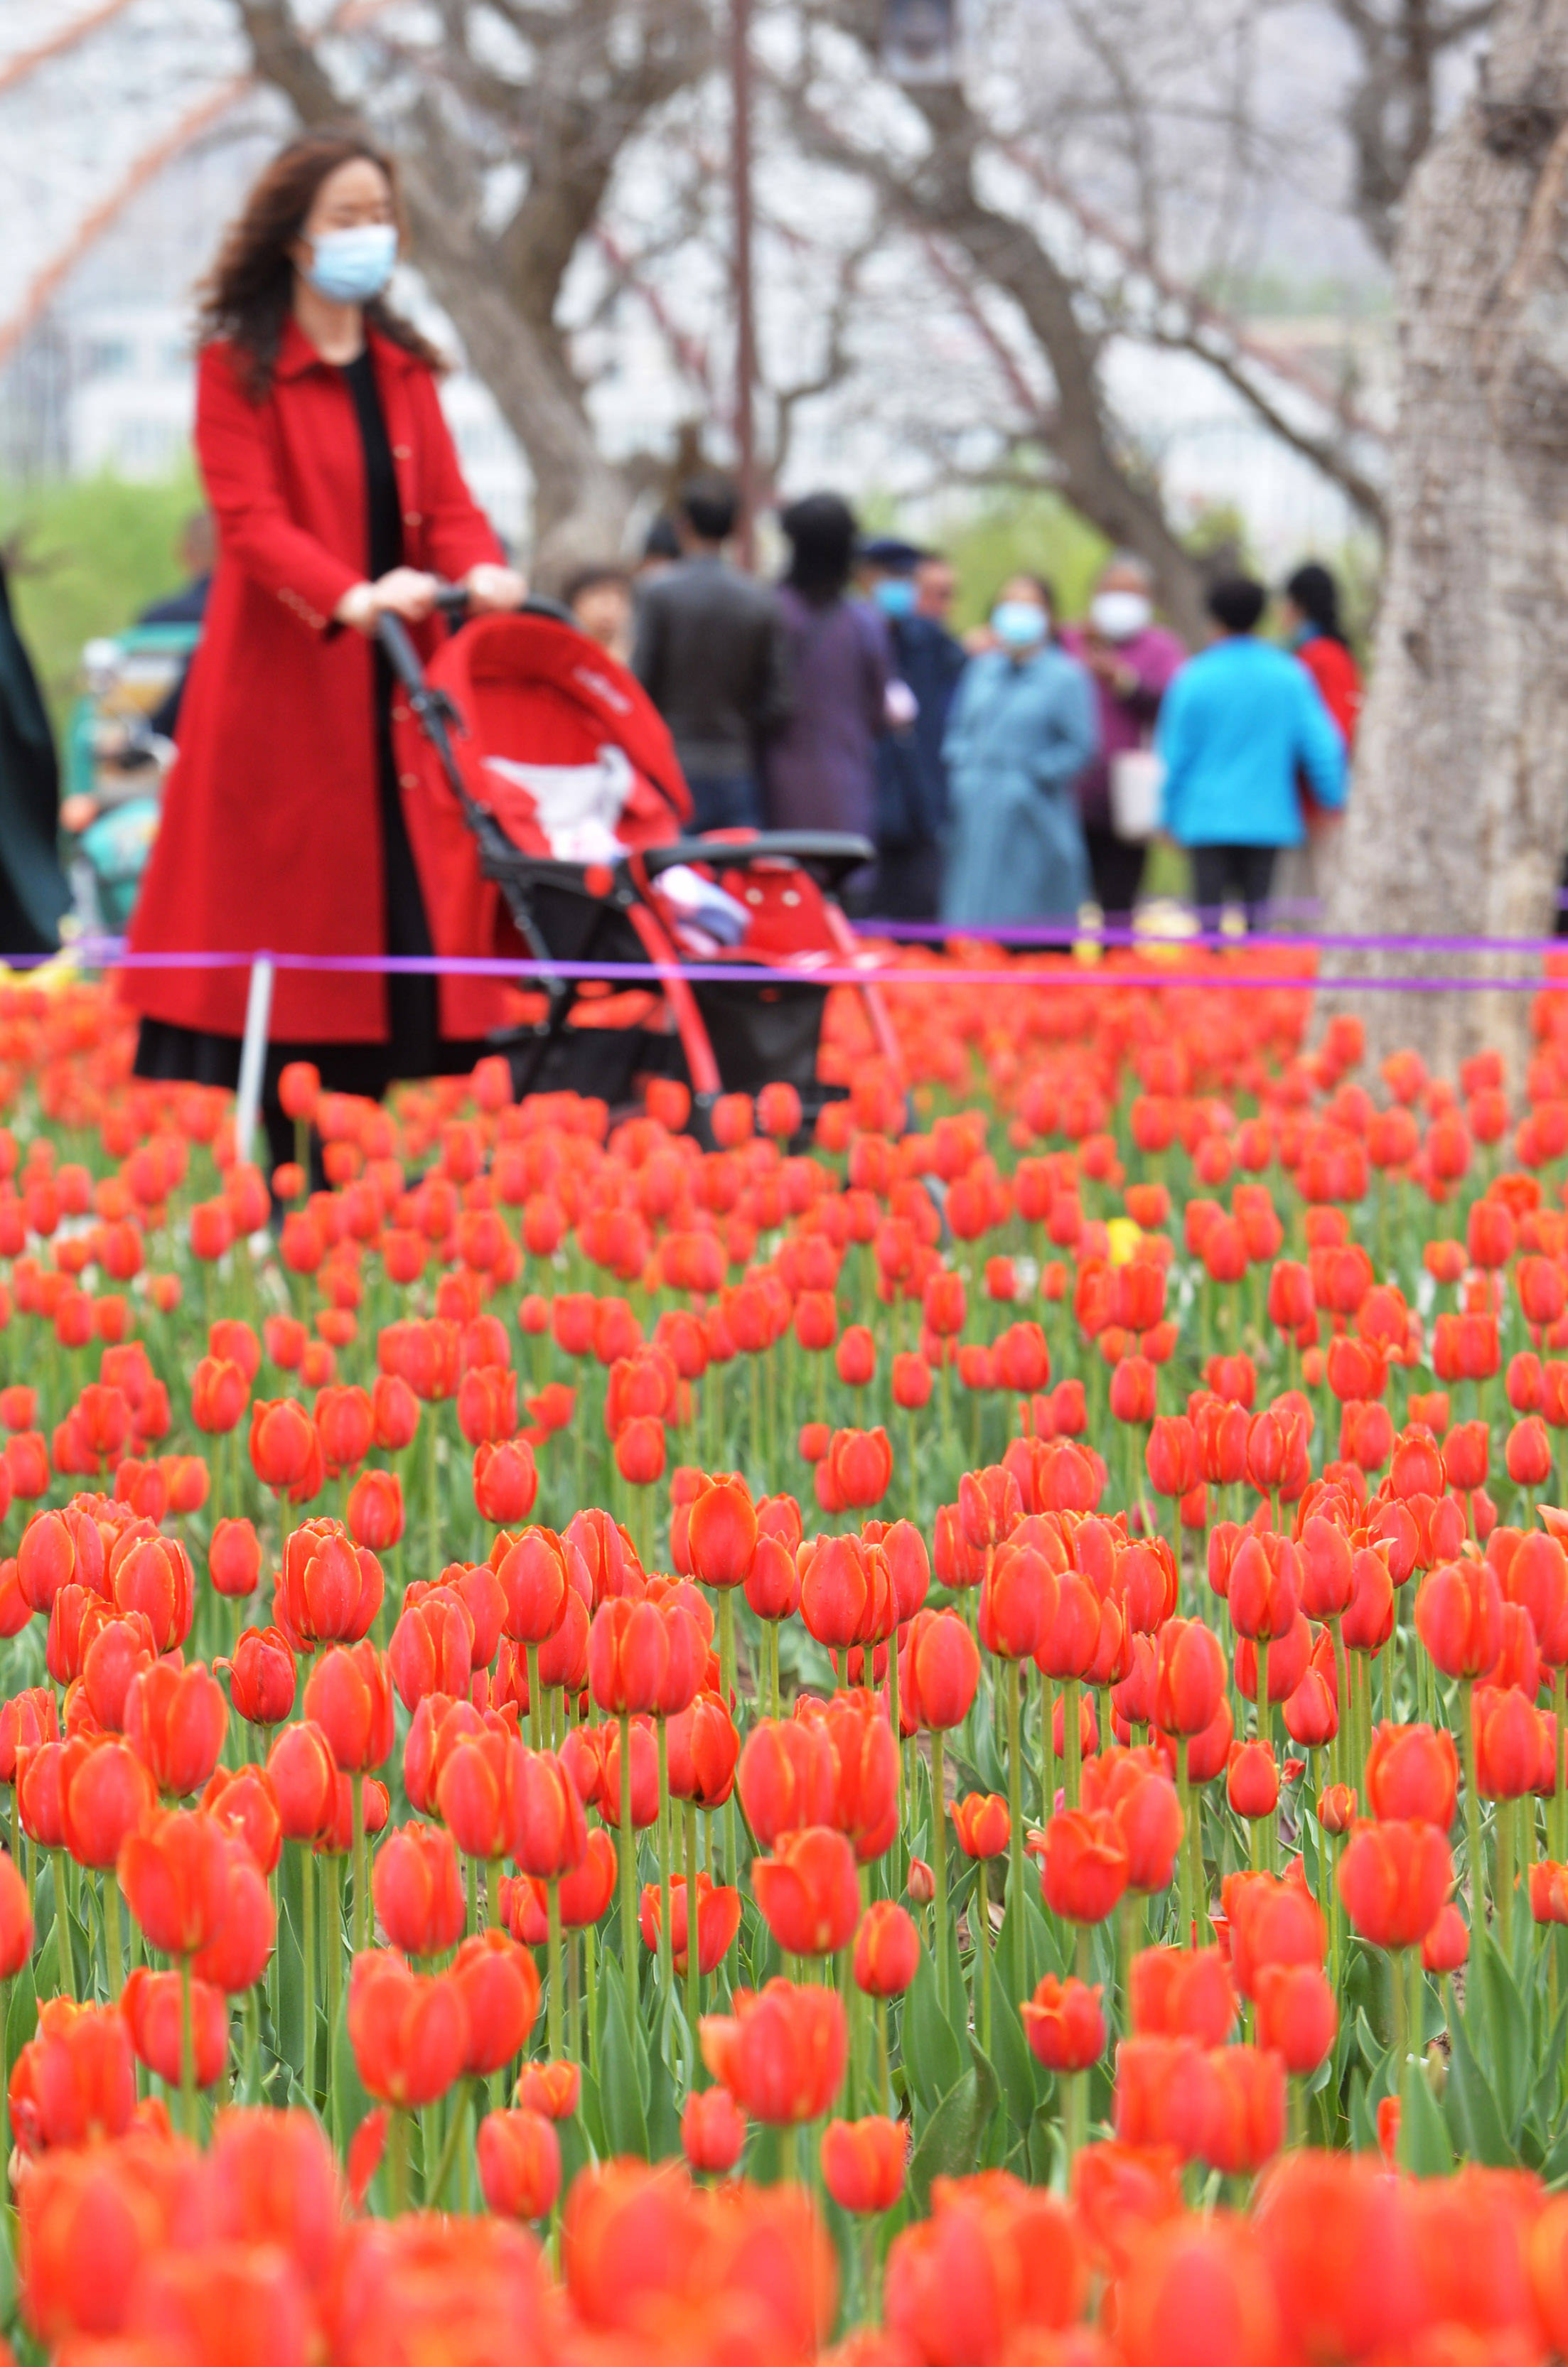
column 338, row 498
column 1310, row 613
column 1309, row 608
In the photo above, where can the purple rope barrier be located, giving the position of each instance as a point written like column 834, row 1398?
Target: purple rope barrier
column 111, row 953
column 1069, row 933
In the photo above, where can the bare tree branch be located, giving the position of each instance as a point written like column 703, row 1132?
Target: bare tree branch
column 1392, row 109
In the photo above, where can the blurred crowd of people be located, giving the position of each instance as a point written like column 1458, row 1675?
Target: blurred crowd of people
column 1015, row 774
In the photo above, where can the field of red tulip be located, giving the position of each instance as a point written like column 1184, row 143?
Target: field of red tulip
column 942, row 1746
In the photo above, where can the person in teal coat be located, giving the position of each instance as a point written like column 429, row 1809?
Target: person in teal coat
column 1022, row 728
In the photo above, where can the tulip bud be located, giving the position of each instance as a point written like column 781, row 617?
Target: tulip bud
column 519, row 2164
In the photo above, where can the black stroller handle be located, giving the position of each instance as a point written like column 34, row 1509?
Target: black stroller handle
column 452, row 601
column 393, row 636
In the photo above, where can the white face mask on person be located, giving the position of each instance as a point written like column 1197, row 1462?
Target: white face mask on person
column 1020, row 624
column 1119, row 616
column 350, row 267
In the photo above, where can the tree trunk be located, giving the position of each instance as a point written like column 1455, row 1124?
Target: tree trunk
column 580, row 499
column 1458, row 812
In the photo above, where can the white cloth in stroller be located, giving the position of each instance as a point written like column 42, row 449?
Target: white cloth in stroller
column 578, row 805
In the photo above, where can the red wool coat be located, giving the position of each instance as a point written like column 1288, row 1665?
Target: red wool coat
column 271, row 835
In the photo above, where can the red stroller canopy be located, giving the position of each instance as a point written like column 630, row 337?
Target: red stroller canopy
column 538, row 695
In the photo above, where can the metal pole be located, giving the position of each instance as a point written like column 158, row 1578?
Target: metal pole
column 253, row 1056
column 745, row 318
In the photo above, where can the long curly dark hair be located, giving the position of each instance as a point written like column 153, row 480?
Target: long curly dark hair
column 248, row 294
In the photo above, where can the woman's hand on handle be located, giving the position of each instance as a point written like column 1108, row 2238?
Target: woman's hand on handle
column 357, row 608
column 492, row 587
column 405, row 592
column 408, row 593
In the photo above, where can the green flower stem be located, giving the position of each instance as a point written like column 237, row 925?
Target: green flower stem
column 591, row 1995
column 1128, row 1915
column 693, row 1969
column 456, row 2128
column 939, row 1862
column 433, row 1511
column 892, row 1712
column 1556, row 1818
column 855, row 2089
column 1340, row 1746
column 552, row 1902
column 666, row 1937
column 727, row 1678
column 332, row 1947
column 1184, row 1854
column 361, row 1866
column 1047, row 1751
column 308, row 1951
column 1072, row 1740
column 187, row 2052
column 1075, row 2110
column 1504, row 1903
column 114, row 1937
column 398, row 2161
column 882, row 2058
column 250, row 2011
column 64, row 1972
column 538, row 1733
column 1015, row 1827
column 1472, row 1807
column 628, row 1875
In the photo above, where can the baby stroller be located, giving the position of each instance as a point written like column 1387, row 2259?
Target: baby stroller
column 543, row 793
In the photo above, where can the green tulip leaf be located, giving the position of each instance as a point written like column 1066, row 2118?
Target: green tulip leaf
column 950, row 2146
column 931, row 2057
column 1424, row 2146
column 1505, row 2028
column 1011, row 2058
column 622, row 2080
column 1470, row 2107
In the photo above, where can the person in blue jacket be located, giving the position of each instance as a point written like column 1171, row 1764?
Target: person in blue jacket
column 1236, row 724
column 1021, row 729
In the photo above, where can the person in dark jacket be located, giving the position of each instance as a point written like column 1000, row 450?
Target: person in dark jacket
column 33, row 893
column 189, row 605
column 821, row 769
column 912, row 778
column 710, row 654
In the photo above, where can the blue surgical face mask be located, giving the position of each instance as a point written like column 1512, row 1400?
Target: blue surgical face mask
column 350, row 267
column 894, row 595
column 1019, row 624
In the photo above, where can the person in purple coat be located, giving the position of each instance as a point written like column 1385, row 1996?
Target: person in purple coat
column 819, row 770
column 1133, row 660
